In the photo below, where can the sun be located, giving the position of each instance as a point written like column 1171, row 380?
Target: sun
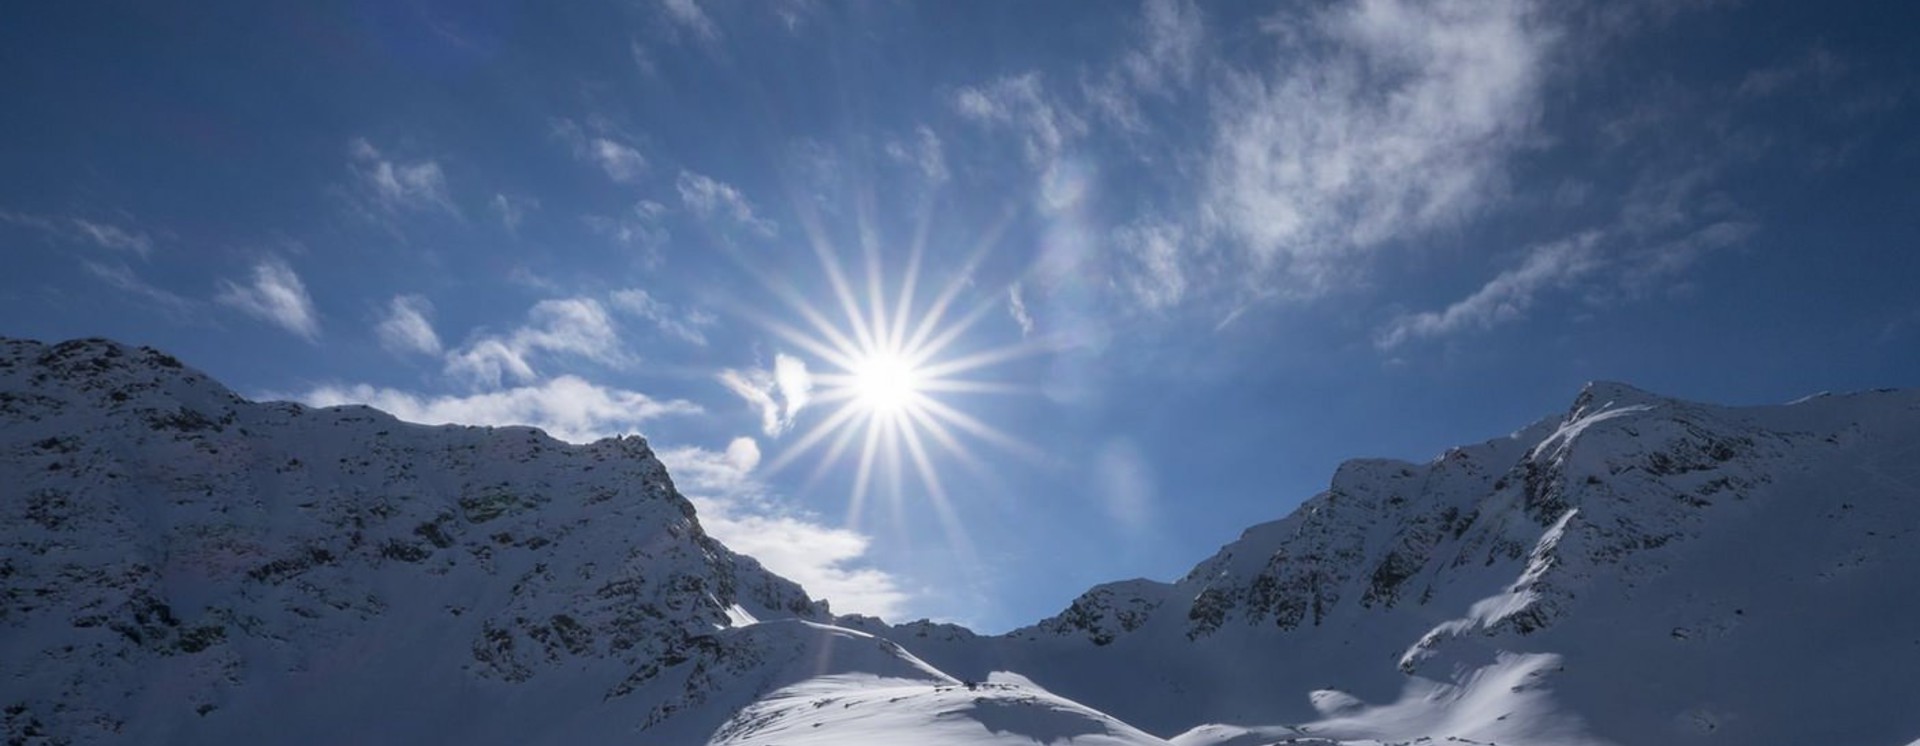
column 894, row 373
column 886, row 382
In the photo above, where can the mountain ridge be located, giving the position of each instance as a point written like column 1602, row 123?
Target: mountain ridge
column 183, row 565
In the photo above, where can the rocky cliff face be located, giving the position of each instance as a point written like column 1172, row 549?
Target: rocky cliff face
column 173, row 552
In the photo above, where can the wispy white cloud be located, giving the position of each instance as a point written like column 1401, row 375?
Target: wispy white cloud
column 779, row 394
column 1387, row 119
column 641, row 228
column 1664, row 227
column 394, row 185
column 405, row 328
column 1017, row 308
column 689, row 15
column 618, row 159
column 567, row 407
column 1160, row 63
column 707, row 197
column 276, row 295
column 736, row 508
column 1506, row 297
column 1816, row 67
column 124, row 278
column 82, row 230
column 1126, row 484
column 113, row 236
column 577, row 327
column 1171, row 32
column 513, row 210
column 690, row 325
column 1020, row 103
column 925, row 153
column 793, row 14
column 622, row 162
column 642, row 58
column 1150, row 263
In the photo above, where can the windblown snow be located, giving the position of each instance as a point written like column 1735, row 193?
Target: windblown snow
column 184, row 566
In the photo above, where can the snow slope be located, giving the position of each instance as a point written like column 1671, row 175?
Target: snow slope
column 180, row 565
column 184, row 566
column 1638, row 570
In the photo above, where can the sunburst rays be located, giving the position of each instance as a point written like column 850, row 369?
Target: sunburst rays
column 898, row 369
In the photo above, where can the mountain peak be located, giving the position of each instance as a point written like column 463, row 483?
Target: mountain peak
column 1603, row 394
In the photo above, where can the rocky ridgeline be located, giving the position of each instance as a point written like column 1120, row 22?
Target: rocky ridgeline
column 182, row 565
column 1624, row 520
column 157, row 522
column 1623, row 472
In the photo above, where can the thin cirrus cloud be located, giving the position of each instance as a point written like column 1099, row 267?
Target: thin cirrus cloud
column 406, row 328
column 924, row 152
column 1663, row 227
column 82, row 230
column 1388, row 119
column 567, row 407
column 641, row 228
column 778, row 394
column 513, row 210
column 1170, row 36
column 276, row 295
column 1376, row 122
column 1151, row 269
column 1022, row 105
column 602, row 147
column 126, row 280
column 1505, row 298
column 736, row 508
column 688, row 15
column 689, row 326
column 710, row 198
column 395, row 185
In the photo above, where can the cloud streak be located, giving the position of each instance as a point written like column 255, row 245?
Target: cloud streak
column 82, row 230
column 709, row 198
column 689, row 326
column 1505, row 298
column 405, row 328
column 395, row 185
column 619, row 160
column 688, row 15
column 124, row 278
column 1020, row 104
column 276, row 295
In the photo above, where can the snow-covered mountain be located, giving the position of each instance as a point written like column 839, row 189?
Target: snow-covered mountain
column 1638, row 570
column 180, row 565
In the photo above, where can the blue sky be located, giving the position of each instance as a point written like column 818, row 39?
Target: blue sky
column 1173, row 261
